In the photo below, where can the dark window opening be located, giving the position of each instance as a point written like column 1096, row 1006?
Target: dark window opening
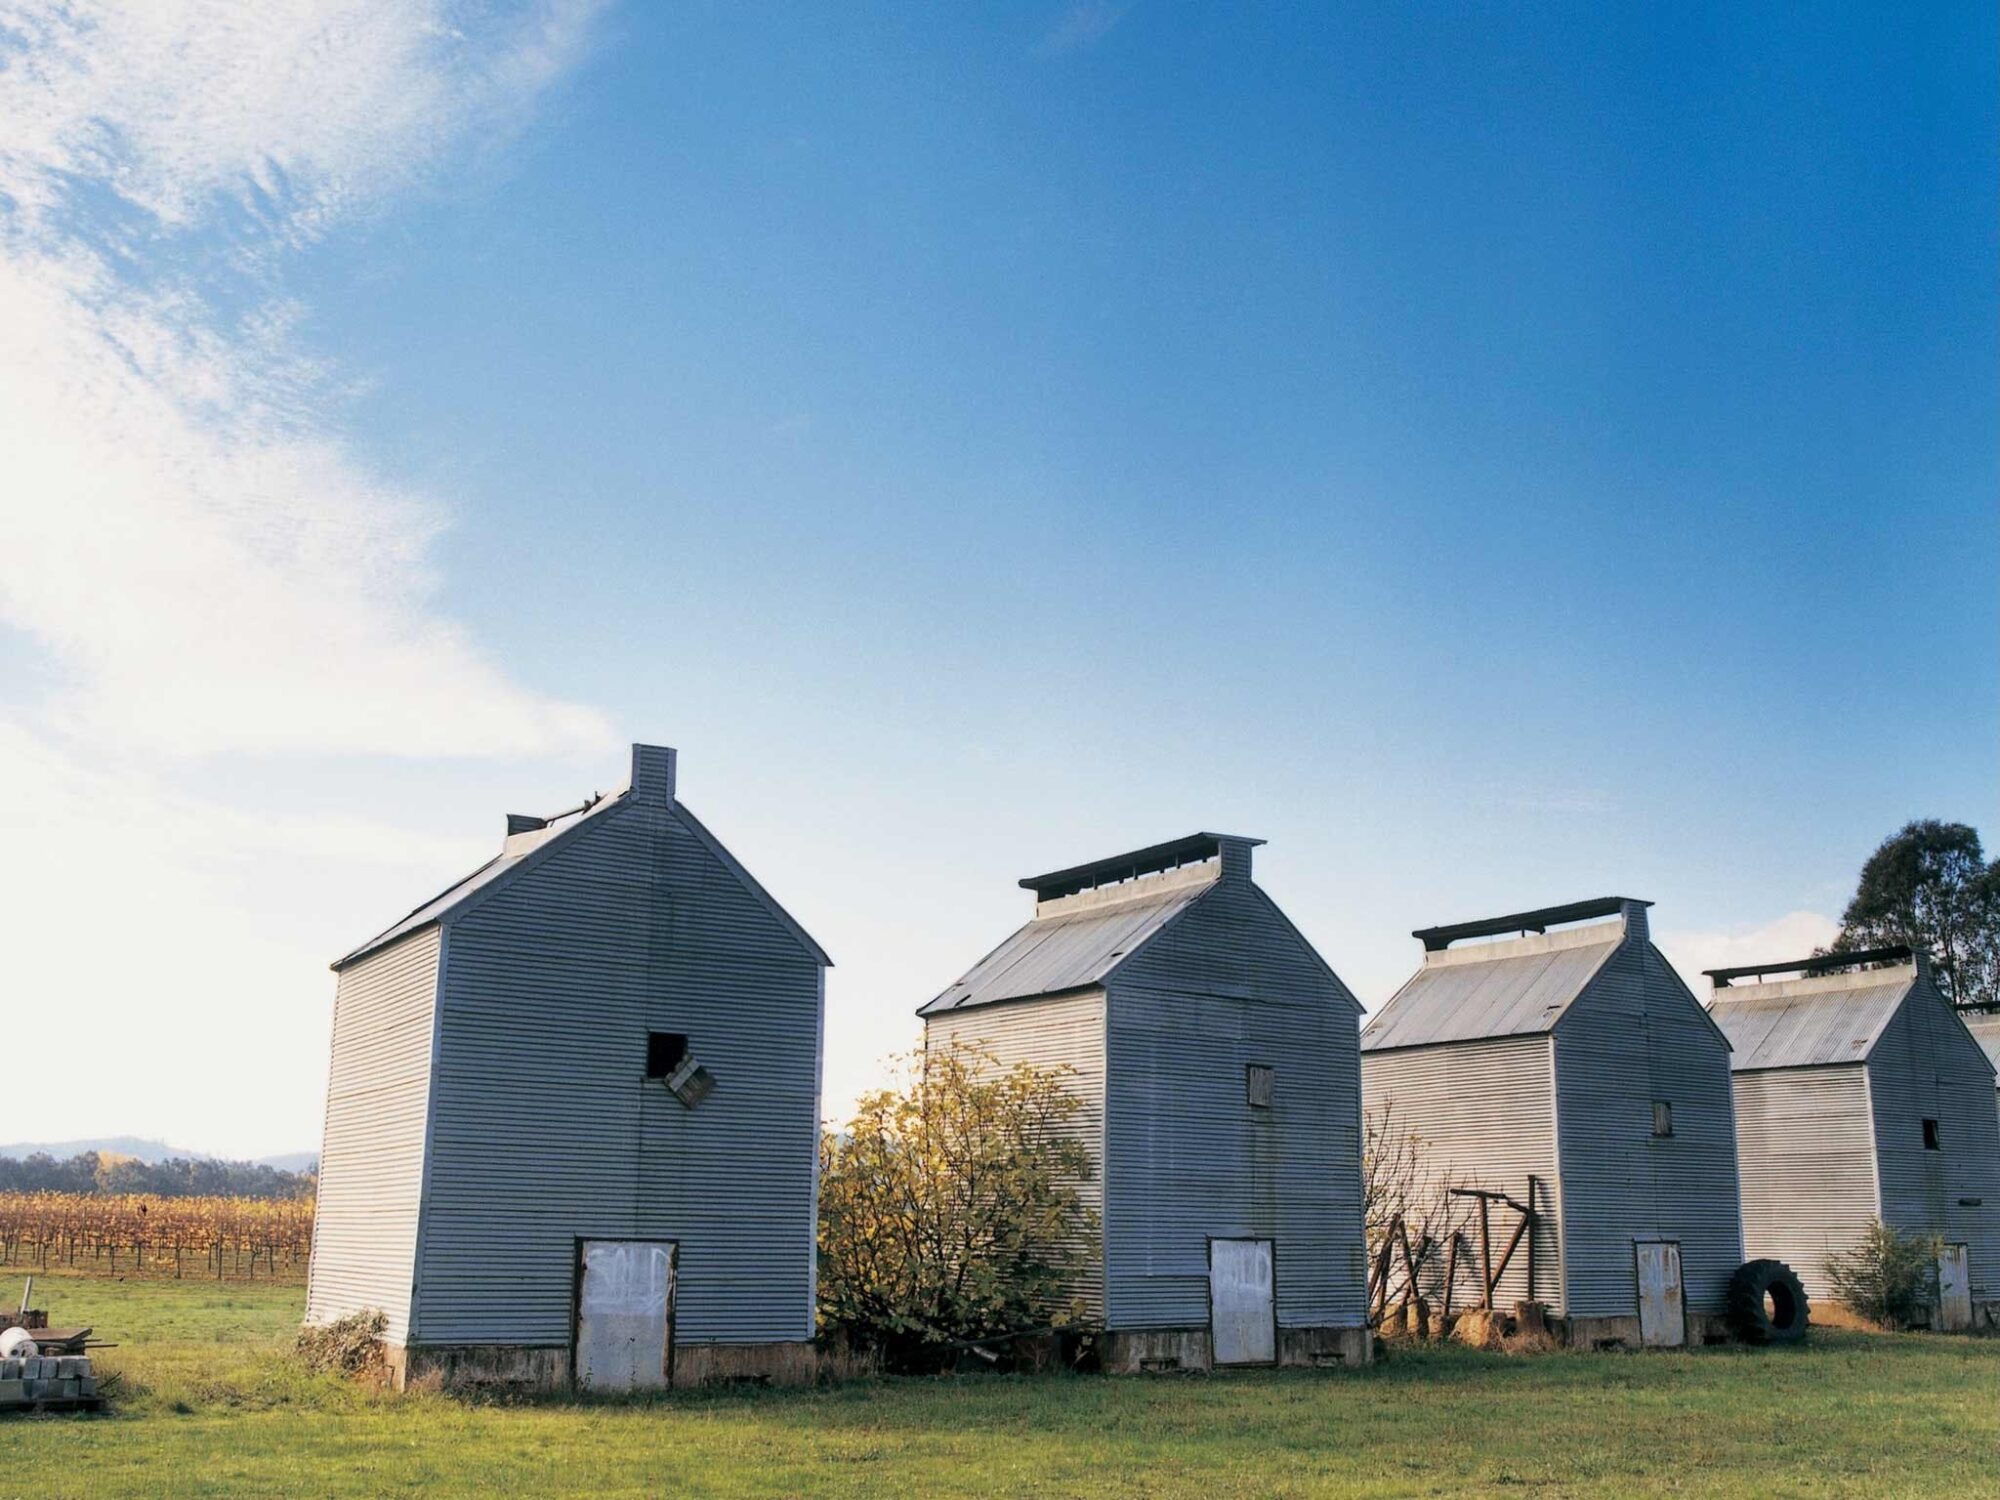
column 1931, row 1142
column 665, row 1051
column 1259, row 1083
column 1663, row 1117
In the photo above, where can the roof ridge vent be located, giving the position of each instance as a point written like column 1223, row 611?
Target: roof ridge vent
column 1231, row 850
column 1539, row 921
column 1822, row 964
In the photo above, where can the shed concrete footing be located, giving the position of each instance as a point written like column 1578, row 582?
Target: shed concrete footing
column 1325, row 1346
column 1624, row 1333
column 745, row 1364
column 519, row 1368
column 457, row 1367
column 1160, row 1350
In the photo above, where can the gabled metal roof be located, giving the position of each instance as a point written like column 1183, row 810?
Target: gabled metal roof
column 1807, row 1023
column 1071, row 949
column 517, row 849
column 1517, row 988
column 528, row 838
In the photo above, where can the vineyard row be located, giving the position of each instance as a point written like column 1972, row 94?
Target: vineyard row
column 216, row 1237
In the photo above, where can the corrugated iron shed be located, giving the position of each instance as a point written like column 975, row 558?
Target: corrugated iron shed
column 1470, row 994
column 1805, row 1024
column 1546, row 1066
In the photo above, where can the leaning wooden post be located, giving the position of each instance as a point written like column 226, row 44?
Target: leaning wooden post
column 1507, row 1254
column 1450, row 1275
column 1533, row 1209
column 1485, row 1257
column 1382, row 1267
column 1409, row 1267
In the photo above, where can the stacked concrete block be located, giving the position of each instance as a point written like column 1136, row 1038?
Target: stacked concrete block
column 46, row 1378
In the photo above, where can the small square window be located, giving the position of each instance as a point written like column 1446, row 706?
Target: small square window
column 664, row 1052
column 1931, row 1141
column 1663, row 1117
column 1259, row 1084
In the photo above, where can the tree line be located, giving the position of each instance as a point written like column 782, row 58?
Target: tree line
column 92, row 1173
column 1931, row 886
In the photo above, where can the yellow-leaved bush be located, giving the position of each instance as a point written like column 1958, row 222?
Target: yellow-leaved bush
column 951, row 1208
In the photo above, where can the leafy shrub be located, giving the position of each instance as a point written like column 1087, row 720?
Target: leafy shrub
column 1888, row 1277
column 350, row 1345
column 950, row 1210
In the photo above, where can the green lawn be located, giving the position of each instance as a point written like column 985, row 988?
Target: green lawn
column 213, row 1406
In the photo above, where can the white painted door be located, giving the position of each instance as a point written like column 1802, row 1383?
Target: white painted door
column 1242, row 1302
column 1954, row 1289
column 624, row 1314
column 1662, row 1314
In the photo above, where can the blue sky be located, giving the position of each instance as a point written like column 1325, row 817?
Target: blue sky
column 1497, row 457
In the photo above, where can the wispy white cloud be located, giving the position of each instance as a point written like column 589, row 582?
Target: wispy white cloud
column 1794, row 935
column 210, row 565
column 202, row 556
column 1084, row 23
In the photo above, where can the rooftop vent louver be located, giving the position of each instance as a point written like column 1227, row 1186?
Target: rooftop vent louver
column 1819, row 963
column 1152, row 860
column 1436, row 939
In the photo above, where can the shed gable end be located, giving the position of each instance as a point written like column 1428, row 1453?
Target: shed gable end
column 547, row 1128
column 1233, row 942
column 1228, row 985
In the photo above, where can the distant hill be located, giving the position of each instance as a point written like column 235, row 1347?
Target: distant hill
column 149, row 1151
column 125, row 1145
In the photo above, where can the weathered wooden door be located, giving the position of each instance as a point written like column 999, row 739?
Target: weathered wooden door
column 1662, row 1312
column 1242, row 1302
column 1954, row 1289
column 624, row 1314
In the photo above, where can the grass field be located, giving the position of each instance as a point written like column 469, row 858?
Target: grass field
column 212, row 1405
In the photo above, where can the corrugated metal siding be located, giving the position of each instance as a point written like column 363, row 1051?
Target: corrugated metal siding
column 1926, row 1067
column 1485, row 1114
column 1807, row 1156
column 1494, row 989
column 546, row 1128
column 372, row 1159
column 1634, row 1036
column 1061, row 1029
column 1230, row 983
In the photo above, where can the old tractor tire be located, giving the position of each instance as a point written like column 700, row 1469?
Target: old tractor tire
column 1767, row 1304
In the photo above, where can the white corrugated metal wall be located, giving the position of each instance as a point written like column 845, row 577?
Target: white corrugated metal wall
column 371, row 1168
column 1807, row 1158
column 1053, row 1031
column 1484, row 1113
